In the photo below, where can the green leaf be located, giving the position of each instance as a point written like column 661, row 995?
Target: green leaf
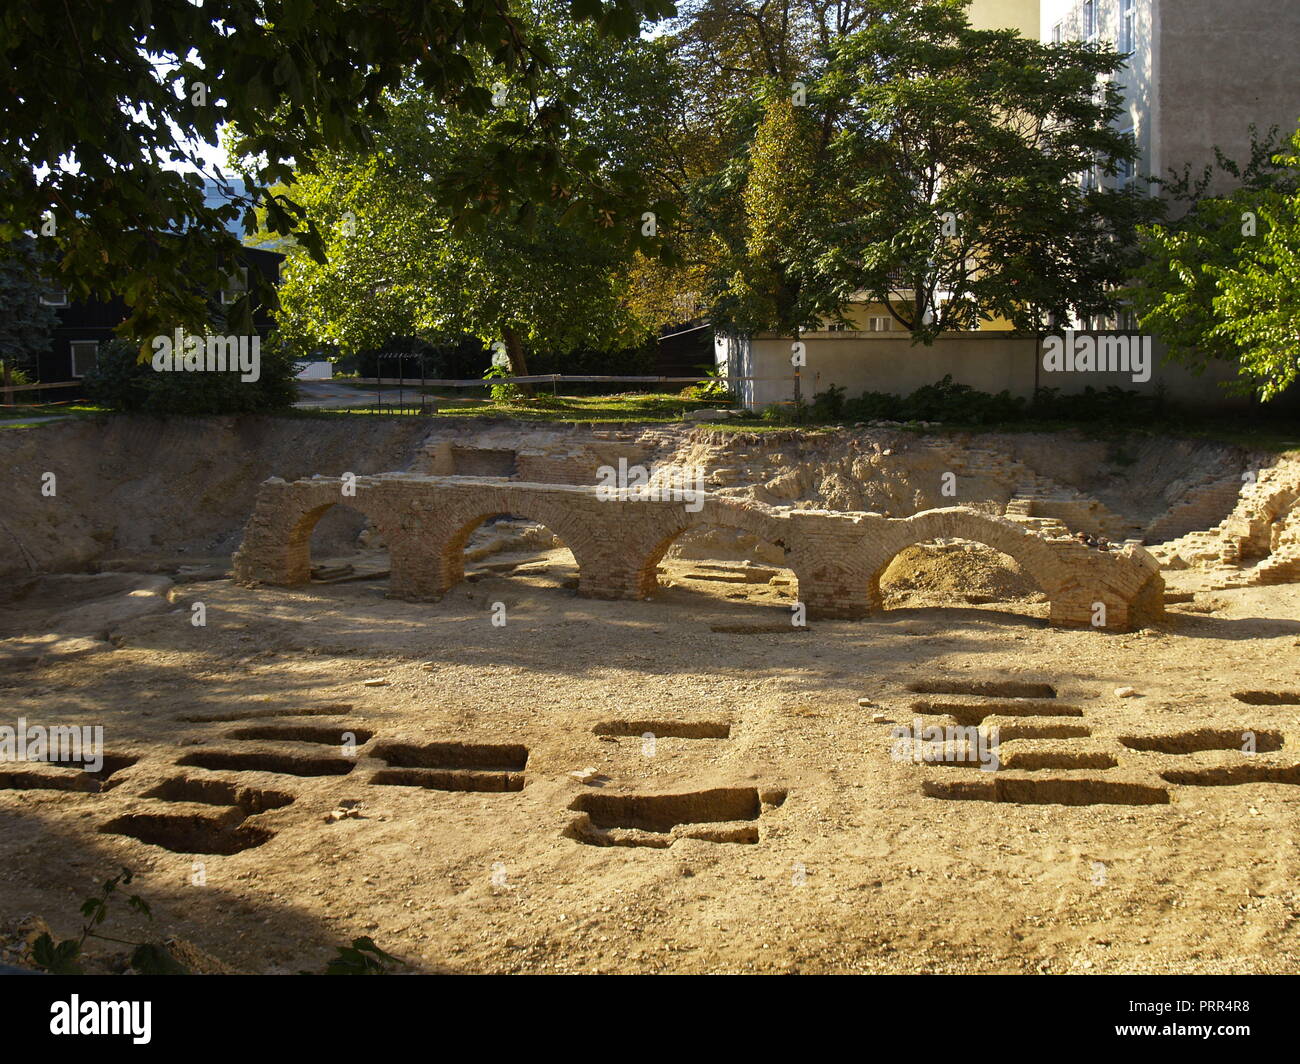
column 57, row 958
column 151, row 959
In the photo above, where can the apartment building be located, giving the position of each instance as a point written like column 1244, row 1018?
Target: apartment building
column 1200, row 72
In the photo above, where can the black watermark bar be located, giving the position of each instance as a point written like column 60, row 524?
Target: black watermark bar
column 142, row 1014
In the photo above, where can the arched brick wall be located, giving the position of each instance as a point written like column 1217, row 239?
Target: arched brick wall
column 446, row 539
column 276, row 547
column 837, row 558
column 1031, row 552
column 675, row 521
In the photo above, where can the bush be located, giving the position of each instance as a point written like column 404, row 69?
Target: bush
column 874, row 406
column 122, row 381
column 828, row 405
column 1112, row 406
column 960, row 404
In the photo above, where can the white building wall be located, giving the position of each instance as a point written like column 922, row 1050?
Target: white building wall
column 989, row 362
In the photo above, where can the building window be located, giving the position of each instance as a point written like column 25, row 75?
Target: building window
column 837, row 326
column 236, row 286
column 1125, row 166
column 1058, row 34
column 877, row 325
column 1127, row 25
column 57, row 297
column 1089, row 20
column 85, row 355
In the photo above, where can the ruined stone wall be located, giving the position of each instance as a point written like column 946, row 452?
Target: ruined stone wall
column 618, row 541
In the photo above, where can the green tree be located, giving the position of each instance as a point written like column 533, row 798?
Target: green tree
column 1211, row 244
column 537, row 276
column 1258, row 300
column 781, row 199
column 26, row 323
column 947, row 172
column 735, row 58
column 99, row 103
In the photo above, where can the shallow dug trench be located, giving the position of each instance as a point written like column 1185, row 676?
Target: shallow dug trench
column 188, row 834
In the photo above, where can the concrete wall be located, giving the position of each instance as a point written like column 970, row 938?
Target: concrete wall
column 989, row 362
column 1221, row 67
column 1201, row 72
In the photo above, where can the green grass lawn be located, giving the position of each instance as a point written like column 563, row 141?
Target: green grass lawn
column 630, row 407
column 1274, row 434
column 15, row 417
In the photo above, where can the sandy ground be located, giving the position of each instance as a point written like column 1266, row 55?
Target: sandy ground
column 838, row 860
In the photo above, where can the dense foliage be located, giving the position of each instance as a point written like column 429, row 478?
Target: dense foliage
column 1218, row 280
column 120, row 381
column 104, row 106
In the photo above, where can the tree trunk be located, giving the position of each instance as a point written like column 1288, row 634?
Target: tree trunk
column 518, row 362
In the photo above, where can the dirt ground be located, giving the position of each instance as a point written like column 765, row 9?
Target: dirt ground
column 1130, row 834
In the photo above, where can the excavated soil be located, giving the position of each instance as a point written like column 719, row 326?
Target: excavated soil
column 686, row 784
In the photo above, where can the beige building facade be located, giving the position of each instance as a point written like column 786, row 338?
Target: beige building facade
column 1022, row 15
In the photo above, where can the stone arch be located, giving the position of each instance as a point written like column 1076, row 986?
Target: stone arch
column 675, row 522
column 276, row 548
column 455, row 526
column 1031, row 552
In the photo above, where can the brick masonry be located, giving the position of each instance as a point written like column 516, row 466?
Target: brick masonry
column 838, row 558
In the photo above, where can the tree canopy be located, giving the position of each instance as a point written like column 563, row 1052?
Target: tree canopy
column 103, row 107
column 942, row 178
column 1213, row 279
column 397, row 264
column 26, row 323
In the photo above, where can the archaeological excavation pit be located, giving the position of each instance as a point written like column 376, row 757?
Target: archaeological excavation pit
column 330, row 710
column 205, row 791
column 666, row 729
column 1234, row 775
column 188, row 834
column 1047, row 791
column 281, row 764
column 725, row 814
column 983, row 688
column 453, row 766
column 112, row 764
column 1247, row 740
column 975, row 712
column 322, row 734
column 1268, row 698
column 47, row 781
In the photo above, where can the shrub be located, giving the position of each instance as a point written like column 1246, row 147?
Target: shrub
column 828, row 405
column 960, row 404
column 122, row 381
column 1112, row 406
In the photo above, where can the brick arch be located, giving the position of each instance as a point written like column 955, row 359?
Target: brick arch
column 276, row 547
column 716, row 513
column 1030, row 551
column 447, row 539
column 837, row 558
